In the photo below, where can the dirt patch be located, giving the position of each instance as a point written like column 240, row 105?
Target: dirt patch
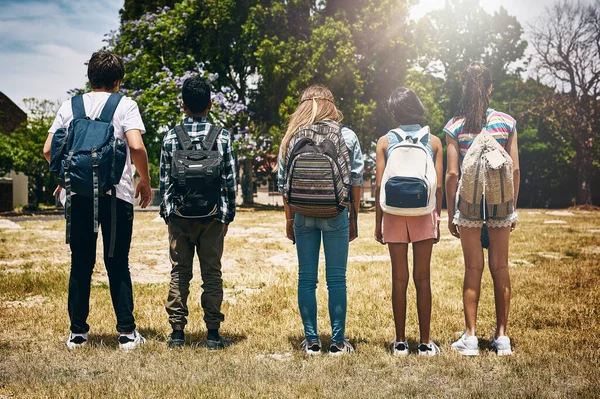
column 520, row 263
column 555, row 222
column 551, row 255
column 591, row 250
column 7, row 224
column 28, row 302
column 275, row 356
column 560, row 213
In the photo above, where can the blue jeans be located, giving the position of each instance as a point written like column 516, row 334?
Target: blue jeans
column 335, row 232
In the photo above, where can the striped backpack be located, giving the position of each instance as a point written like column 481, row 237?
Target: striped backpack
column 317, row 171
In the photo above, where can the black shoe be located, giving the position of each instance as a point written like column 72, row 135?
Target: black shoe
column 177, row 339
column 220, row 344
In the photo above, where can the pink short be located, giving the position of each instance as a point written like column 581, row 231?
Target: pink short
column 407, row 229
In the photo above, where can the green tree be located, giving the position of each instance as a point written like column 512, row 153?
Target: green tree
column 567, row 45
column 24, row 147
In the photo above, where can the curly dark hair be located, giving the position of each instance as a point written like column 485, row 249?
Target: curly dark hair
column 476, row 83
column 196, row 93
column 104, row 69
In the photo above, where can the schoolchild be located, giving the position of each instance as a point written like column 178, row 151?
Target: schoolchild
column 409, row 168
column 320, row 177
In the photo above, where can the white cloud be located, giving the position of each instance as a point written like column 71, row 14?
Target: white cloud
column 44, row 45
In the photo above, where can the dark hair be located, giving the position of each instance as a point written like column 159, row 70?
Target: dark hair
column 473, row 106
column 196, row 93
column 405, row 107
column 104, row 69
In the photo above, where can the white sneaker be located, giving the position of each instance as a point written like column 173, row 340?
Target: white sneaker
column 399, row 348
column 467, row 346
column 77, row 340
column 335, row 350
column 430, row 349
column 131, row 341
column 313, row 349
column 501, row 345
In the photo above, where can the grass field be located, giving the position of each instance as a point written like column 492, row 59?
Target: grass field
column 554, row 320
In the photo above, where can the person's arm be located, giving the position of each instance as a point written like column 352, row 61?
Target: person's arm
column 140, row 160
column 357, row 165
column 452, row 173
column 47, row 146
column 513, row 150
column 438, row 152
column 289, row 221
column 382, row 146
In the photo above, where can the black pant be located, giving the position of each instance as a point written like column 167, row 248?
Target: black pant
column 83, row 258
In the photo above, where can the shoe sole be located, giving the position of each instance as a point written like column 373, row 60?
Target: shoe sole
column 176, row 344
column 504, row 352
column 76, row 346
column 313, row 353
column 398, row 353
column 467, row 352
column 428, row 354
column 131, row 345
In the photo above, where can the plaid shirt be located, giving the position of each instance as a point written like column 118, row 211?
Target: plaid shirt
column 197, row 129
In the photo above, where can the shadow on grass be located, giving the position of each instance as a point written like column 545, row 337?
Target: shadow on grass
column 193, row 339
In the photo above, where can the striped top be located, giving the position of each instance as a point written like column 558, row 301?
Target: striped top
column 500, row 125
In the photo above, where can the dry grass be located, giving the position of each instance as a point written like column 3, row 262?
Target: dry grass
column 554, row 322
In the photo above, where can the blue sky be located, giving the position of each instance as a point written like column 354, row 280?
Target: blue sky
column 44, row 44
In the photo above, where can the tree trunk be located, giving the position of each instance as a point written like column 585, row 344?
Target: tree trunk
column 584, row 180
column 247, row 182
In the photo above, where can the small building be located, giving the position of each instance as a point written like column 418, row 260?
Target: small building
column 14, row 186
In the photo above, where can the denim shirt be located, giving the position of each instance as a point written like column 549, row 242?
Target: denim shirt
column 356, row 161
column 411, row 131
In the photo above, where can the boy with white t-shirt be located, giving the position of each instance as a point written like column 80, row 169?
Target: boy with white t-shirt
column 105, row 73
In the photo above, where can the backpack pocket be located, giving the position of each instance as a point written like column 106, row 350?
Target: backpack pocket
column 406, row 192
column 57, row 150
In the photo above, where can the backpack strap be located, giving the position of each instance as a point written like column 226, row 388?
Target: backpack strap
column 183, row 137
column 113, row 222
column 211, row 138
column 96, row 186
column 68, row 196
column 400, row 134
column 77, row 107
column 422, row 133
column 110, row 107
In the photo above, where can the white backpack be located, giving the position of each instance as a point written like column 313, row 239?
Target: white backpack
column 409, row 180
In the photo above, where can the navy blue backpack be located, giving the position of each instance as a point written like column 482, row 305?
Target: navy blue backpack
column 89, row 160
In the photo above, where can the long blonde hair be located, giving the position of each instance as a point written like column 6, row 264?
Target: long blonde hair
column 316, row 103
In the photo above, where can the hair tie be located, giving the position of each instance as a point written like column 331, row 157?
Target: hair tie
column 316, row 98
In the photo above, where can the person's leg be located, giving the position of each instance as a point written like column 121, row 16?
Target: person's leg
column 421, row 276
column 335, row 244
column 83, row 258
column 398, row 255
column 473, row 255
column 117, row 267
column 181, row 255
column 209, row 245
column 498, row 260
column 308, row 244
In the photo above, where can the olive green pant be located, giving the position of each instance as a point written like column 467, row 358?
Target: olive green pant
column 206, row 239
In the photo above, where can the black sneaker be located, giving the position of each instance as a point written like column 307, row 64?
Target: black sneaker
column 222, row 343
column 311, row 348
column 346, row 347
column 177, row 339
column 77, row 340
